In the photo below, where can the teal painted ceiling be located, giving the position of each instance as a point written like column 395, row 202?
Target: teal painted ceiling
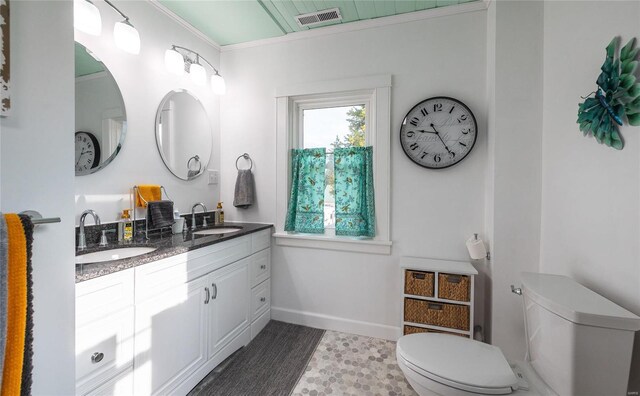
column 85, row 63
column 237, row 21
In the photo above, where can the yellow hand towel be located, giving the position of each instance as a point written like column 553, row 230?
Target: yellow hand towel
column 150, row 192
column 17, row 306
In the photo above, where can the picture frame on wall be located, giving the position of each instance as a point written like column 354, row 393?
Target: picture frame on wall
column 5, row 85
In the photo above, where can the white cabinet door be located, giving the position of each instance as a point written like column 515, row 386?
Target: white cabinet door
column 229, row 310
column 170, row 339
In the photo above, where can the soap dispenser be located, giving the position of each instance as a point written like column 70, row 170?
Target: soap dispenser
column 127, row 225
column 219, row 214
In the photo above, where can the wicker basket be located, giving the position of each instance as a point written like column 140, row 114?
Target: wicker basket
column 418, row 283
column 415, row 329
column 438, row 314
column 454, row 287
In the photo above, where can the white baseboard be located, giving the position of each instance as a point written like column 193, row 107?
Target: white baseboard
column 335, row 323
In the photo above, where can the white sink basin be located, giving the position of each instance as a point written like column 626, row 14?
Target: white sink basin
column 215, row 231
column 113, row 254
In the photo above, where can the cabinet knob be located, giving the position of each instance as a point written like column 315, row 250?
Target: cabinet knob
column 97, row 357
column 263, row 299
column 206, row 298
column 263, row 266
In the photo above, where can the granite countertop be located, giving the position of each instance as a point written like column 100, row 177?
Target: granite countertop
column 167, row 245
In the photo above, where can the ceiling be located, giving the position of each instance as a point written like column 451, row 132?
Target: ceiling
column 238, row 21
column 85, row 63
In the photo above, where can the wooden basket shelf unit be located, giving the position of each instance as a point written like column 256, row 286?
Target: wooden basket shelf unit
column 437, row 296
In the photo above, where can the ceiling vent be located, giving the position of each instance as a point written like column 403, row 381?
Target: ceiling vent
column 318, row 17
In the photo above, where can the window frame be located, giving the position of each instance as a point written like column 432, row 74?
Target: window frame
column 375, row 93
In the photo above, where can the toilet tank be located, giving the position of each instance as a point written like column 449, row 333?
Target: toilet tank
column 578, row 342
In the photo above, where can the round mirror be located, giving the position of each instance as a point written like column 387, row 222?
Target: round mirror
column 183, row 134
column 101, row 120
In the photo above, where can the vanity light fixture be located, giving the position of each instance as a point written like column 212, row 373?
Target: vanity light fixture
column 178, row 59
column 86, row 18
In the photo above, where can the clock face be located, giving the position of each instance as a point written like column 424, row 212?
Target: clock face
column 438, row 132
column 87, row 152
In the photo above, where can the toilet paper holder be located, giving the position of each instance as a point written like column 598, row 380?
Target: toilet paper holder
column 483, row 247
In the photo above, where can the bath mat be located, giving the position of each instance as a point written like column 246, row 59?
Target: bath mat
column 270, row 364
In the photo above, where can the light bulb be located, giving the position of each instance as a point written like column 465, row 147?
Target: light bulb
column 174, row 62
column 218, row 85
column 127, row 37
column 198, row 74
column 86, row 17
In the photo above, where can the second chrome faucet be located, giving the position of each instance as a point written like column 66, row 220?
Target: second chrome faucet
column 193, row 215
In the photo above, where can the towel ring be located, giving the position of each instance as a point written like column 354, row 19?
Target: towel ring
column 245, row 156
column 197, row 159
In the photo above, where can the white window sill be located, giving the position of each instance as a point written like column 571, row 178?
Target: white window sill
column 345, row 244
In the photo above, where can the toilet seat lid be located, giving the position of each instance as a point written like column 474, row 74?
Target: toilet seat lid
column 458, row 362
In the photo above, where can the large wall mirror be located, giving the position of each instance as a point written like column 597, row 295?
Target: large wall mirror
column 183, row 134
column 101, row 120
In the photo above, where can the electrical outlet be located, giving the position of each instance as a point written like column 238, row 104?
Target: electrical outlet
column 213, row 176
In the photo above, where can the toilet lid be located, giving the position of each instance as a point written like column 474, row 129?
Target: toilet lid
column 458, row 362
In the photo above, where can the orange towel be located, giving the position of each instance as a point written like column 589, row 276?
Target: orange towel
column 149, row 192
column 17, row 306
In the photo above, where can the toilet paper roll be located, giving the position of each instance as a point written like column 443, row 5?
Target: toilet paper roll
column 476, row 248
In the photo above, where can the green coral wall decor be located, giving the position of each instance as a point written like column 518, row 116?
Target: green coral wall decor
column 617, row 97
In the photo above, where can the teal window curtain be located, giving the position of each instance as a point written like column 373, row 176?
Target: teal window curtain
column 306, row 200
column 355, row 203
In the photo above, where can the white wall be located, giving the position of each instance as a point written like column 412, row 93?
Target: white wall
column 36, row 172
column 590, row 193
column 514, row 182
column 432, row 212
column 143, row 82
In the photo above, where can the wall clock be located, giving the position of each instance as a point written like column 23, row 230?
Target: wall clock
column 87, row 152
column 438, row 132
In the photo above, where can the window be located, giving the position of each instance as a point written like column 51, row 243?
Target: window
column 335, row 114
column 332, row 128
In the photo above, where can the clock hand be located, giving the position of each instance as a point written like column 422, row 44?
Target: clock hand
column 80, row 156
column 423, row 131
column 440, row 137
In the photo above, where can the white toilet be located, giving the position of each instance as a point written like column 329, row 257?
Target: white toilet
column 578, row 343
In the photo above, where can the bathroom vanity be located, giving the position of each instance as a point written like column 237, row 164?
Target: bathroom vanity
column 158, row 323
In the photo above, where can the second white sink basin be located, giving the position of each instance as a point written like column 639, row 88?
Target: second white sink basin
column 113, row 254
column 215, row 231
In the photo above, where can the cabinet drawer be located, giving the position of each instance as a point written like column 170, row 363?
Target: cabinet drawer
column 260, row 240
column 435, row 313
column 260, row 299
column 260, row 323
column 156, row 277
column 260, row 266
column 122, row 385
column 416, row 329
column 98, row 297
column 103, row 348
column 454, row 287
column 418, row 283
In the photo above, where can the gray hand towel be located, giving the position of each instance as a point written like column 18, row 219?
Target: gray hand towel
column 159, row 214
column 245, row 189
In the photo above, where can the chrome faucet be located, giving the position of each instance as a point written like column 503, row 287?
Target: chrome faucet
column 82, row 242
column 193, row 215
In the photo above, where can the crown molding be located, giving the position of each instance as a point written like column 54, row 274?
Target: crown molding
column 364, row 24
column 185, row 24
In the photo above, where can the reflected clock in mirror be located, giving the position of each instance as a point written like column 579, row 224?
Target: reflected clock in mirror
column 183, row 134
column 101, row 121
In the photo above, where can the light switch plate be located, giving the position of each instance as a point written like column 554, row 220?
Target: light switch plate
column 213, row 176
